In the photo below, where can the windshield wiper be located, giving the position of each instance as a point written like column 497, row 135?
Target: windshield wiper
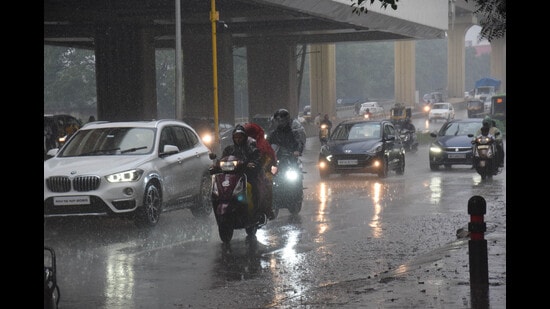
column 133, row 149
column 99, row 151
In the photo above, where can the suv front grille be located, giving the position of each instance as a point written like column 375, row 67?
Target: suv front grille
column 79, row 183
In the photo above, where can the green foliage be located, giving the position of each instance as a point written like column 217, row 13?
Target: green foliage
column 69, row 78
column 491, row 14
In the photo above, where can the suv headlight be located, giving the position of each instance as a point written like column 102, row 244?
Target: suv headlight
column 126, row 176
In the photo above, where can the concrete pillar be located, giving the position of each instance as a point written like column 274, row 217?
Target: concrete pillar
column 456, row 39
column 498, row 61
column 198, row 82
column 272, row 78
column 405, row 72
column 125, row 73
column 322, row 78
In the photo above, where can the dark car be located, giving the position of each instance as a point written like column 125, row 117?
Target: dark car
column 362, row 146
column 452, row 146
column 57, row 129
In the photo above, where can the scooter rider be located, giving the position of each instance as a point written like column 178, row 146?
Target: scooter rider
column 283, row 135
column 489, row 127
column 268, row 160
column 244, row 147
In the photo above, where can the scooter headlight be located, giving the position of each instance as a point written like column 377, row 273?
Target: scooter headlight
column 291, row 175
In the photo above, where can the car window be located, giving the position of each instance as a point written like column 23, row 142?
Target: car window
column 182, row 139
column 167, row 138
column 389, row 130
column 137, row 141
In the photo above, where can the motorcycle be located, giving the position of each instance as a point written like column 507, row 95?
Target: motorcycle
column 410, row 141
column 485, row 155
column 288, row 188
column 232, row 199
column 51, row 289
column 323, row 134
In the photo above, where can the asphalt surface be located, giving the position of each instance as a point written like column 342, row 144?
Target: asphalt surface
column 446, row 278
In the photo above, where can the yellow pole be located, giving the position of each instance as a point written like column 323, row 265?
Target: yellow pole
column 214, row 17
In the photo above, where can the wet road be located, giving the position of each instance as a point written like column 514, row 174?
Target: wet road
column 350, row 228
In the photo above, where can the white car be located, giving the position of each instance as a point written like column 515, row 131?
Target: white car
column 443, row 110
column 375, row 110
column 130, row 169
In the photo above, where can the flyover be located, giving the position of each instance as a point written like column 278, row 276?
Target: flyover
column 125, row 33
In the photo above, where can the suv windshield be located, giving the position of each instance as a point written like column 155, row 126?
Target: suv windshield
column 110, row 141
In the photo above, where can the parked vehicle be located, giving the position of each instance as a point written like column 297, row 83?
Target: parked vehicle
column 232, row 199
column 135, row 170
column 58, row 129
column 451, row 144
column 485, row 155
column 52, row 293
column 288, row 188
column 441, row 111
column 362, row 146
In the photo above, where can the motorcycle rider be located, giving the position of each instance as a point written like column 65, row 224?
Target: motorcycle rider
column 408, row 125
column 268, row 162
column 488, row 126
column 244, row 147
column 283, row 135
column 323, row 135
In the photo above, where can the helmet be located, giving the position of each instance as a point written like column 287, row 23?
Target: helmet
column 281, row 118
column 239, row 129
column 486, row 122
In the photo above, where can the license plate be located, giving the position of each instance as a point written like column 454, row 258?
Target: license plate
column 347, row 162
column 457, row 156
column 71, row 200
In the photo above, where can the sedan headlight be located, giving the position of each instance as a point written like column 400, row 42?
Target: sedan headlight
column 127, row 176
column 435, row 149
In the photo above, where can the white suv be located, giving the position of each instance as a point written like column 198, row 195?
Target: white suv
column 131, row 169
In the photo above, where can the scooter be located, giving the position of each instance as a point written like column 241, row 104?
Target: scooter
column 51, row 289
column 323, row 134
column 232, row 199
column 485, row 155
column 288, row 188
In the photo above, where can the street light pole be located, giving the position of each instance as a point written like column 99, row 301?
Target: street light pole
column 214, row 17
column 179, row 105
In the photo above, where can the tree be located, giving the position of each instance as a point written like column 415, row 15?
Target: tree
column 491, row 15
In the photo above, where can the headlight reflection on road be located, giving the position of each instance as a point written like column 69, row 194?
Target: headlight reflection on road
column 375, row 223
column 435, row 189
column 120, row 278
column 324, row 193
